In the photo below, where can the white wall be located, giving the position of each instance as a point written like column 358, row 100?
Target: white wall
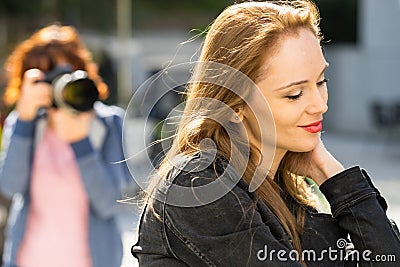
column 366, row 71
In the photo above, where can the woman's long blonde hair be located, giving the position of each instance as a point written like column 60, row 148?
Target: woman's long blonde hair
column 242, row 37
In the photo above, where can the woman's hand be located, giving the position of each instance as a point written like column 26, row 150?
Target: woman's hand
column 34, row 95
column 323, row 164
column 68, row 126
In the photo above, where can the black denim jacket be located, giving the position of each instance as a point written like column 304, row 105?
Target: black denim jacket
column 238, row 229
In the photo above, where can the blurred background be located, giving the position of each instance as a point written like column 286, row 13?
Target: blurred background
column 132, row 40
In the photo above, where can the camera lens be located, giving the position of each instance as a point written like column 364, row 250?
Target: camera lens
column 80, row 94
column 75, row 91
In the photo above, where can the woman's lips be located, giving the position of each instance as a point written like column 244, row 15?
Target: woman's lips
column 313, row 127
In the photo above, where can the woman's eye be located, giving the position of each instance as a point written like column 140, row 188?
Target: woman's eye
column 323, row 82
column 294, row 97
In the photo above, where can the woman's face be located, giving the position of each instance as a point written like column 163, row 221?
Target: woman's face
column 294, row 85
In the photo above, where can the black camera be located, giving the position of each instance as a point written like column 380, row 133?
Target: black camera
column 72, row 89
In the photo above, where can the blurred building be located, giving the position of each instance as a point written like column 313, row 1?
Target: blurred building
column 363, row 72
column 364, row 86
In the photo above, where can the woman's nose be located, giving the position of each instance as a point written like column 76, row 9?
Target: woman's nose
column 318, row 102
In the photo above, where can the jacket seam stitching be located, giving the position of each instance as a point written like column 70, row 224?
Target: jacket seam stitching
column 188, row 244
column 359, row 231
column 393, row 226
column 351, row 203
column 164, row 236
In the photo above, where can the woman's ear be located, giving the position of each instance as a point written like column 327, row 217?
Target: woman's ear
column 237, row 116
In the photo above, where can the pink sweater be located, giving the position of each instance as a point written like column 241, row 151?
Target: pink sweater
column 57, row 226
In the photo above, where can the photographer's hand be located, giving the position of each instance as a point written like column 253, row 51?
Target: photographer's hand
column 323, row 164
column 34, row 95
column 68, row 126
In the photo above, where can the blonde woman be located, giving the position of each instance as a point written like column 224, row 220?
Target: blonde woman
column 268, row 216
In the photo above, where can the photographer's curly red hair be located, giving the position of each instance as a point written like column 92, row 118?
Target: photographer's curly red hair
column 42, row 50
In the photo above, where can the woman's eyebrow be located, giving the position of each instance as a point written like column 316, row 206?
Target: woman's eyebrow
column 302, row 81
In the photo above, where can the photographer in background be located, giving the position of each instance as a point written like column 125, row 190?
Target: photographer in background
column 59, row 147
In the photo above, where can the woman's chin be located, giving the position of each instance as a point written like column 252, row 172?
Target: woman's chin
column 305, row 146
